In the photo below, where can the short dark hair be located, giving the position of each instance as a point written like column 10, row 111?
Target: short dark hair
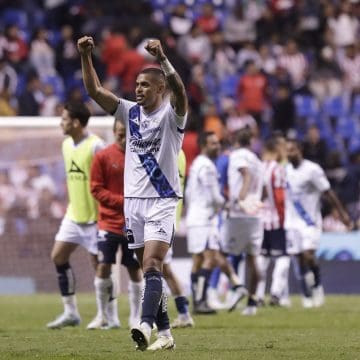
column 244, row 135
column 271, row 144
column 203, row 136
column 78, row 110
column 153, row 71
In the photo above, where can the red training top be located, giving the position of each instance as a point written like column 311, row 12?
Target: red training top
column 107, row 187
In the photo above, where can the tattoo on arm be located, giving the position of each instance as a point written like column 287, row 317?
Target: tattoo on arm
column 178, row 97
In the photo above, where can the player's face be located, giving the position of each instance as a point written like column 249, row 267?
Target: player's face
column 293, row 153
column 213, row 147
column 120, row 134
column 67, row 123
column 147, row 90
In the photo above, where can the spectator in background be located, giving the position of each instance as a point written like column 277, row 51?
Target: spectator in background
column 180, row 21
column 195, row 46
column 266, row 60
column 350, row 65
column 113, row 47
column 51, row 101
column 343, row 26
column 14, row 47
column 8, row 77
column 283, row 110
column 208, row 21
column 315, row 148
column 32, row 97
column 251, row 91
column 213, row 122
column 247, row 53
column 295, row 64
column 197, row 90
column 67, row 56
column 325, row 80
column 223, row 57
column 238, row 29
column 42, row 55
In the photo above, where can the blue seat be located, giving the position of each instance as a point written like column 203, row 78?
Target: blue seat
column 306, row 106
column 228, row 85
column 345, row 126
column 355, row 109
column 335, row 106
column 13, row 16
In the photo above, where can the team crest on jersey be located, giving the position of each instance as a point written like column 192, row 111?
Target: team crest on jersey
column 145, row 124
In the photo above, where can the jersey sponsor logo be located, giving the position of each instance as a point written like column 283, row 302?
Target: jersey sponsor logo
column 75, row 173
column 144, row 146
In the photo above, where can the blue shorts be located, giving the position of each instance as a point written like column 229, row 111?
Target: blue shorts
column 108, row 244
column 274, row 243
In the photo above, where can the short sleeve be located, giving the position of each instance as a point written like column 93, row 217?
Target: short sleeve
column 319, row 179
column 122, row 110
column 240, row 161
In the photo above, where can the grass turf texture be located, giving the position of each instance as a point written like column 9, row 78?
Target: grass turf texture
column 331, row 332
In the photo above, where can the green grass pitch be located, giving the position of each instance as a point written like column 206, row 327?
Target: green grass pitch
column 330, row 332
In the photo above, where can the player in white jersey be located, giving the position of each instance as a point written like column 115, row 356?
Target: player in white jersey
column 306, row 183
column 154, row 133
column 243, row 229
column 273, row 217
column 203, row 202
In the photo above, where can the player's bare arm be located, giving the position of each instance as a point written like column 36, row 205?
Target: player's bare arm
column 178, row 98
column 106, row 99
column 334, row 200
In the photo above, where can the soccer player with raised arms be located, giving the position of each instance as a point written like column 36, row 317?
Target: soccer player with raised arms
column 79, row 224
column 154, row 133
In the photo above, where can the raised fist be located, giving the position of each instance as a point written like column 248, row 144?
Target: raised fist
column 85, row 44
column 154, row 48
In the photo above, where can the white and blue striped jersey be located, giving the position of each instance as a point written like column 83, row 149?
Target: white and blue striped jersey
column 305, row 184
column 153, row 142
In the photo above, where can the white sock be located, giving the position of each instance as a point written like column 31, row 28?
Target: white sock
column 146, row 328
column 135, row 294
column 70, row 305
column 280, row 276
column 241, row 270
column 103, row 288
column 165, row 332
column 263, row 264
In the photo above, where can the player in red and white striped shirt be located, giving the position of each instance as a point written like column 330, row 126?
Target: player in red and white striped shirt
column 273, row 215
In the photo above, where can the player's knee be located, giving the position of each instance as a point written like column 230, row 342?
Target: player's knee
column 103, row 271
column 59, row 258
column 152, row 264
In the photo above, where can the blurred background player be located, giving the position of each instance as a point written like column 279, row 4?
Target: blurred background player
column 203, row 201
column 243, row 229
column 154, row 132
column 107, row 187
column 184, row 319
column 273, row 216
column 78, row 226
column 306, row 183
